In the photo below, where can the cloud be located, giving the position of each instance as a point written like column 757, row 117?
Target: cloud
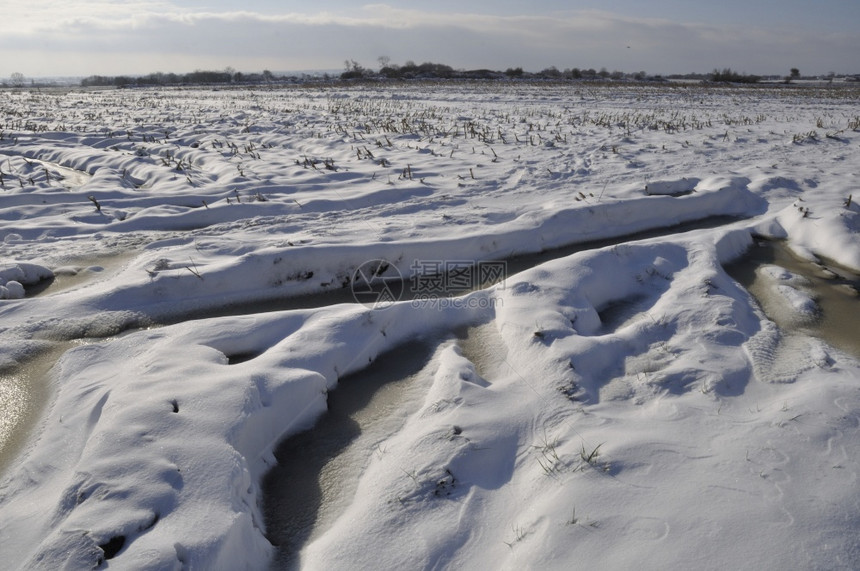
column 138, row 31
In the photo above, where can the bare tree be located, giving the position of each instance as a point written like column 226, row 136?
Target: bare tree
column 17, row 79
column 353, row 70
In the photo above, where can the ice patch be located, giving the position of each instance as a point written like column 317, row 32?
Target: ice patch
column 781, row 274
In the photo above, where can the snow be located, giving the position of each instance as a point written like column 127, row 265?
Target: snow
column 623, row 405
column 789, row 288
column 14, row 276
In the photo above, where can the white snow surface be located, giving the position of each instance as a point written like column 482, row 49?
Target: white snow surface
column 626, row 415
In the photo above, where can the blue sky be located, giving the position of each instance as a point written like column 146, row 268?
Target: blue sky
column 61, row 37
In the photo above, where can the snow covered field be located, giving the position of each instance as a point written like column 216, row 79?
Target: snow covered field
column 623, row 406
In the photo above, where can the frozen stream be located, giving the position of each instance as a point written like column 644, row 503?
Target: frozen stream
column 29, row 386
column 304, row 497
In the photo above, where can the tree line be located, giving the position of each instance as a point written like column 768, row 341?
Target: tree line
column 407, row 71
column 226, row 76
column 430, row 70
column 353, row 71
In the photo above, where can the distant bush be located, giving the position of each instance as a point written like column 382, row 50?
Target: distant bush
column 410, row 70
column 550, row 73
column 353, row 70
column 729, row 76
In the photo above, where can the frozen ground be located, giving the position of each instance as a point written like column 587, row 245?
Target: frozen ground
column 628, row 405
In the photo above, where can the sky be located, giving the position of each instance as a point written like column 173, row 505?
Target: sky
column 50, row 38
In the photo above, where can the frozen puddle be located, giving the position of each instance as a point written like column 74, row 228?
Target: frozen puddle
column 800, row 296
column 68, row 177
column 79, row 271
column 318, row 470
column 29, row 171
column 24, row 391
column 484, row 347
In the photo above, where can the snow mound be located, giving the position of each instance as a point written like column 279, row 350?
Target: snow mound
column 14, row 276
column 788, row 299
column 680, row 187
column 23, row 272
